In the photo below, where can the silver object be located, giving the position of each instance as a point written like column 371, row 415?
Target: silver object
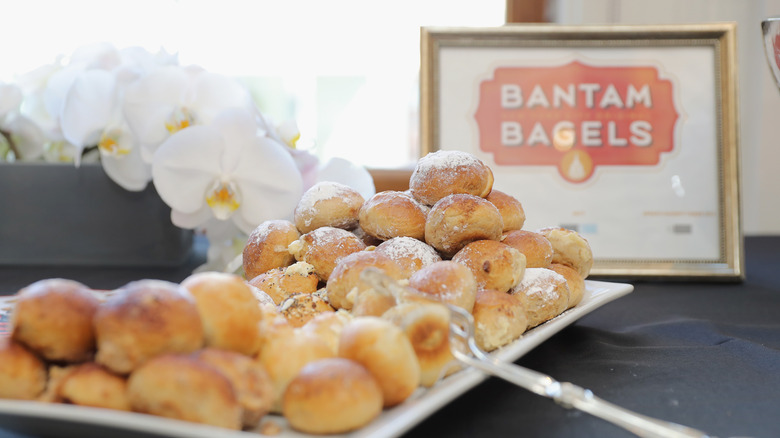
column 565, row 394
column 568, row 395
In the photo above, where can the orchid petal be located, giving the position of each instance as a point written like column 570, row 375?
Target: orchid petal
column 10, row 98
column 28, row 137
column 186, row 165
column 88, row 107
column 269, row 181
column 151, row 100
column 289, row 132
column 190, row 220
column 237, row 128
column 345, row 172
column 57, row 88
column 308, row 166
column 129, row 171
column 215, row 93
column 101, row 55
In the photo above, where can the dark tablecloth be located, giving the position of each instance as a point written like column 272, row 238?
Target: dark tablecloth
column 706, row 355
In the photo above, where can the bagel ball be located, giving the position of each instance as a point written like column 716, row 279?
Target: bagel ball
column 146, row 318
column 499, row 318
column 54, row 319
column 22, row 374
column 285, row 353
column 184, row 388
column 331, row 396
column 544, row 294
column 510, row 208
column 391, row 214
column 90, row 384
column 228, row 309
column 495, row 265
column 249, row 378
column 442, row 173
column 345, row 285
column 324, row 247
column 410, row 254
column 428, row 327
column 570, row 249
column 448, row 282
column 328, row 204
column 266, row 247
column 381, row 347
column 457, row 220
column 536, row 248
column 574, row 281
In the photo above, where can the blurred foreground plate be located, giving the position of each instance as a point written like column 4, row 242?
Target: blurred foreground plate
column 42, row 419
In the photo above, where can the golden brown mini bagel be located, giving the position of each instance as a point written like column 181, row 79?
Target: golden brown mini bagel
column 285, row 352
column 144, row 319
column 328, row 204
column 575, row 282
column 510, row 208
column 499, row 318
column 443, row 173
column 372, row 302
column 266, row 247
column 381, row 347
column 331, row 396
column 299, row 308
column 495, row 265
column 22, row 373
column 249, row 379
column 90, row 384
column 427, row 326
column 457, row 220
column 324, row 247
column 392, row 214
column 345, row 284
column 544, row 294
column 570, row 249
column 228, row 309
column 280, row 283
column 184, row 388
column 447, row 282
column 410, row 254
column 327, row 326
column 54, row 319
column 538, row 251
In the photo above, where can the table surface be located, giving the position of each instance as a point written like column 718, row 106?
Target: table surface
column 703, row 354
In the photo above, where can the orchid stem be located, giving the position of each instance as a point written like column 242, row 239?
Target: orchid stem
column 11, row 143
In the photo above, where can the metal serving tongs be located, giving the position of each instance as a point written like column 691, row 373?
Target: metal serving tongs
column 464, row 348
column 565, row 394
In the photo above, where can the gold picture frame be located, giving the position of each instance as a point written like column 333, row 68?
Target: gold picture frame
column 627, row 134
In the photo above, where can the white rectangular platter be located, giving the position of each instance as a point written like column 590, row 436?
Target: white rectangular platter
column 60, row 419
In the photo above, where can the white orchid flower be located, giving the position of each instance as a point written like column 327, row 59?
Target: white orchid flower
column 170, row 99
column 225, row 170
column 34, row 88
column 92, row 115
column 10, row 98
column 20, row 135
column 102, row 56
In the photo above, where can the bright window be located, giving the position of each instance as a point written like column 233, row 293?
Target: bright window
column 345, row 70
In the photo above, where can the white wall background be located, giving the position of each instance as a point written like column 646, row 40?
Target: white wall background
column 759, row 97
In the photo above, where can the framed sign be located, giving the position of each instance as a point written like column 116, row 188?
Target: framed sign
column 625, row 134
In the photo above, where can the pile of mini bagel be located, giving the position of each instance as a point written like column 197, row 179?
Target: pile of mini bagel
column 302, row 333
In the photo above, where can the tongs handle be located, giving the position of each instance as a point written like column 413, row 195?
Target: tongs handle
column 567, row 395
column 572, row 396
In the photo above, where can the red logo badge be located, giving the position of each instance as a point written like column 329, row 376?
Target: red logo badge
column 576, row 117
